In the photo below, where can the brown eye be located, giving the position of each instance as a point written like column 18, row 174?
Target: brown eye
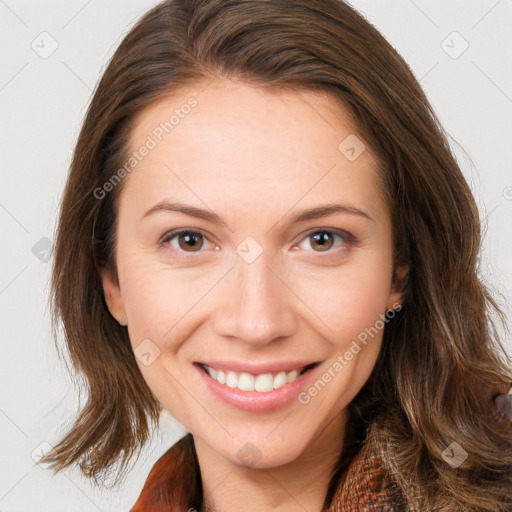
column 185, row 240
column 322, row 240
column 190, row 241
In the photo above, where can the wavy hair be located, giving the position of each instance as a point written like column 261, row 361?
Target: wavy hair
column 441, row 361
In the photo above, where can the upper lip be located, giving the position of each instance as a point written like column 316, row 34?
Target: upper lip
column 257, row 368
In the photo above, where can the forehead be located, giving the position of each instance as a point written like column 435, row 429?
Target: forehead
column 231, row 144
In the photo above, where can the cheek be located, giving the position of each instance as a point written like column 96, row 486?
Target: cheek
column 351, row 306
column 348, row 300
column 160, row 299
column 158, row 304
column 148, row 304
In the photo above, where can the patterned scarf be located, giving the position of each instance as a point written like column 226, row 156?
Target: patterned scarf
column 365, row 486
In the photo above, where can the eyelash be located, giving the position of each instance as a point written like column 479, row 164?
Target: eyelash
column 168, row 237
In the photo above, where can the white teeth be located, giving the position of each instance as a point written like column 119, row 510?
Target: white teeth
column 281, row 379
column 231, row 380
column 245, row 382
column 291, row 376
column 262, row 383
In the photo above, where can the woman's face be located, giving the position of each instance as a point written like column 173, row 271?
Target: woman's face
column 284, row 260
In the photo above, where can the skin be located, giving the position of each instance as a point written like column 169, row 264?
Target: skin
column 255, row 157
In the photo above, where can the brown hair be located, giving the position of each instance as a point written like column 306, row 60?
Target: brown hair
column 441, row 360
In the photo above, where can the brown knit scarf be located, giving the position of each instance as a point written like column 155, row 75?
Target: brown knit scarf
column 174, row 483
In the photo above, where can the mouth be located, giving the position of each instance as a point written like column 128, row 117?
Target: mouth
column 263, row 382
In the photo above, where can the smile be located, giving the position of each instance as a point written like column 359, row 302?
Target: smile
column 261, row 383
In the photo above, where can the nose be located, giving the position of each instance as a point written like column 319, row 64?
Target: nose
column 256, row 305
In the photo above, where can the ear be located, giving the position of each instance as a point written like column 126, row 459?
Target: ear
column 113, row 297
column 397, row 286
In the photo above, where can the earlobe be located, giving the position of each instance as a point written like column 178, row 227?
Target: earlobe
column 112, row 294
column 397, row 287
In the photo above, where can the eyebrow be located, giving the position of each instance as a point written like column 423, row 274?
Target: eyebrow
column 304, row 215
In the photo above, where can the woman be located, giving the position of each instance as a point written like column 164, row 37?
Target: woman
column 264, row 232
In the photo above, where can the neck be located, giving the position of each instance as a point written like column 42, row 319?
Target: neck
column 298, row 485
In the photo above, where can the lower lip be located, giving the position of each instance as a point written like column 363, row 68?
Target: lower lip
column 254, row 401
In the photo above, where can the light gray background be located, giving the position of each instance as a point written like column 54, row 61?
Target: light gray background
column 43, row 101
